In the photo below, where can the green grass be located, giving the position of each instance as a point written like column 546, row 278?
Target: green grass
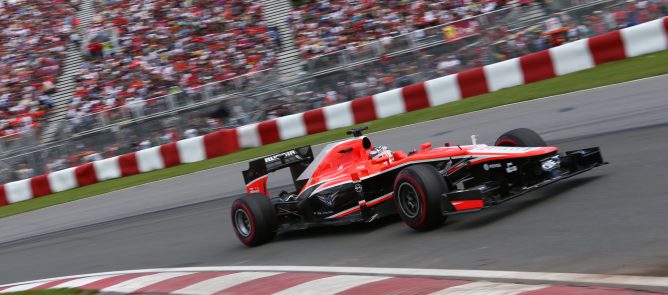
column 615, row 72
column 56, row 292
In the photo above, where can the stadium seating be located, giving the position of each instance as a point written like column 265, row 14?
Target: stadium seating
column 324, row 26
column 33, row 37
column 165, row 46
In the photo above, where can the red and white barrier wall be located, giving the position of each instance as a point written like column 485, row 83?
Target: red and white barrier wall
column 185, row 151
column 558, row 61
column 572, row 57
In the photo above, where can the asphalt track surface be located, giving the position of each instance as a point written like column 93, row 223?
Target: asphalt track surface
column 611, row 220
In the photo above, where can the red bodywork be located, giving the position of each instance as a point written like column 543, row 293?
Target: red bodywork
column 349, row 161
column 338, row 167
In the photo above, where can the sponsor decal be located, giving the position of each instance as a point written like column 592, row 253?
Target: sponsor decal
column 486, row 166
column 328, row 199
column 551, row 163
column 278, row 156
column 323, row 213
column 358, row 187
column 254, row 190
column 510, row 167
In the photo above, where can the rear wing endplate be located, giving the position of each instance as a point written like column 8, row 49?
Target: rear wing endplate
column 297, row 160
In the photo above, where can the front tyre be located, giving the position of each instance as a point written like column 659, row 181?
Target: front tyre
column 254, row 219
column 418, row 196
column 521, row 137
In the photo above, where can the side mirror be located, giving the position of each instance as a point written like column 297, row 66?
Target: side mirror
column 357, row 132
column 425, row 146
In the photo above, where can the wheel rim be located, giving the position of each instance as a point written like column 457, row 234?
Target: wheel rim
column 242, row 222
column 409, row 200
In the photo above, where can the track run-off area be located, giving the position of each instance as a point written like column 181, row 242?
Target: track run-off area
column 611, row 220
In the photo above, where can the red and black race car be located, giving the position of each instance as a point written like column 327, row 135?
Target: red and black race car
column 354, row 181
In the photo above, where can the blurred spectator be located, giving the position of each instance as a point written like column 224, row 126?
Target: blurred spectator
column 24, row 171
column 144, row 144
column 170, row 136
column 190, row 133
column 275, row 35
column 91, row 157
column 76, row 39
column 448, row 66
column 55, row 165
column 111, row 150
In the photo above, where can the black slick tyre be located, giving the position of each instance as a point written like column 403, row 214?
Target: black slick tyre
column 254, row 219
column 418, row 197
column 521, row 137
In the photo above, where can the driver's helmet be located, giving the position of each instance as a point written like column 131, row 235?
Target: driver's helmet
column 380, row 151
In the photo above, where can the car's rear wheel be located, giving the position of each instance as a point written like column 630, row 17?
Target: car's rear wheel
column 521, row 137
column 418, row 196
column 254, row 219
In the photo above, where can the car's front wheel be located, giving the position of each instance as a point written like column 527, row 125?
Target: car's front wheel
column 418, row 196
column 254, row 219
column 520, row 137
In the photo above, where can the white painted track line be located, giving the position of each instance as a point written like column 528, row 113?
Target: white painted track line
column 222, row 283
column 489, row 288
column 81, row 282
column 132, row 285
column 22, row 287
column 330, row 285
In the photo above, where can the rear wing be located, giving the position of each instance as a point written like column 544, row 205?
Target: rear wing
column 297, row 160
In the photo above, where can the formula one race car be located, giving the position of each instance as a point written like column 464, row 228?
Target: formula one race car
column 355, row 181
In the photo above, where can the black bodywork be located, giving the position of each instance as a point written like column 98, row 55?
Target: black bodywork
column 493, row 182
column 497, row 185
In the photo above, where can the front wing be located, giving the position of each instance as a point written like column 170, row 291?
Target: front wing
column 495, row 192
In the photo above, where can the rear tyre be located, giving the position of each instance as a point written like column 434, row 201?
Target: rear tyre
column 418, row 197
column 254, row 219
column 521, row 137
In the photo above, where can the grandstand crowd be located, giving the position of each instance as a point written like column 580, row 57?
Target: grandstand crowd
column 145, row 49
column 33, row 39
column 322, row 27
column 496, row 44
column 136, row 51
